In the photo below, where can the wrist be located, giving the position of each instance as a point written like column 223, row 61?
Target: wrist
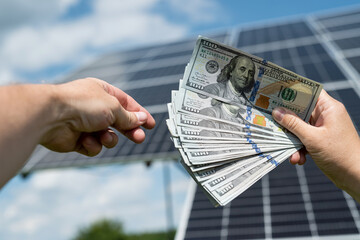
column 55, row 110
column 350, row 181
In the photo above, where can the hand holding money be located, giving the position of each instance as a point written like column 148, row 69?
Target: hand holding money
column 220, row 118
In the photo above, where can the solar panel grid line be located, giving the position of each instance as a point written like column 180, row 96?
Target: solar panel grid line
column 339, row 35
column 225, row 222
column 353, row 210
column 173, row 54
column 348, row 43
column 133, row 68
column 335, row 53
column 279, row 21
column 338, row 12
column 279, row 44
column 262, row 27
column 232, row 36
column 150, row 82
column 351, row 26
column 35, row 158
column 281, row 189
column 266, row 206
column 164, row 62
column 104, row 72
column 350, row 53
column 307, row 201
column 338, row 85
column 275, row 56
column 315, row 58
column 148, row 73
column 299, row 69
column 80, row 162
column 340, row 21
column 119, row 58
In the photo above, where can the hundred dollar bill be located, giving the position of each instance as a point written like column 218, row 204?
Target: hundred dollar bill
column 233, row 188
column 238, row 78
column 217, row 182
column 191, row 103
column 215, row 155
column 214, row 126
column 222, row 170
column 203, row 133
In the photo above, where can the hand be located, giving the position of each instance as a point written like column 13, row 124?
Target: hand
column 86, row 109
column 330, row 139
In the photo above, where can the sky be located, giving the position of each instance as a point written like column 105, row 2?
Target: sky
column 44, row 40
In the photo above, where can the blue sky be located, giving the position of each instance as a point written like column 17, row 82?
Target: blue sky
column 41, row 41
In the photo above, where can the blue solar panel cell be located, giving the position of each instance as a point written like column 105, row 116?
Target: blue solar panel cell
column 245, row 233
column 246, row 201
column 274, row 33
column 348, row 43
column 312, row 72
column 337, row 16
column 214, row 224
column 348, row 26
column 351, row 101
column 284, row 54
column 330, row 205
column 187, row 53
column 290, row 231
column 291, row 207
column 324, row 229
column 355, row 62
column 153, row 95
column 248, row 221
column 203, row 235
column 158, row 72
column 246, row 211
column 333, row 71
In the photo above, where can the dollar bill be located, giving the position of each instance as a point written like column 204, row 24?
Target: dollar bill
column 190, row 103
column 220, row 118
column 239, row 78
column 233, row 188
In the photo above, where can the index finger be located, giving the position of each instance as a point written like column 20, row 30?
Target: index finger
column 129, row 104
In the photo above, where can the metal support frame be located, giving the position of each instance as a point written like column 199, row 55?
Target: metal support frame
column 168, row 199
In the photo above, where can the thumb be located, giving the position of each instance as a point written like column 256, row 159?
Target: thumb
column 292, row 122
column 126, row 120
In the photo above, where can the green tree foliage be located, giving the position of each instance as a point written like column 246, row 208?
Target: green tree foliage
column 153, row 236
column 112, row 230
column 102, row 230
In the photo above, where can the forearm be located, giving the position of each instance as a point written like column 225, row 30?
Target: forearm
column 351, row 179
column 27, row 112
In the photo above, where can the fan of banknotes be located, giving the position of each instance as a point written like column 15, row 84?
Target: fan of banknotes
column 220, row 118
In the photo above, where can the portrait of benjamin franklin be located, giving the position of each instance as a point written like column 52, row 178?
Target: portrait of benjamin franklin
column 235, row 79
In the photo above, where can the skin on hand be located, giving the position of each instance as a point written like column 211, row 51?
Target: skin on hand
column 330, row 139
column 86, row 109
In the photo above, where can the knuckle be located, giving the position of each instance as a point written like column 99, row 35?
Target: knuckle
column 341, row 107
column 109, row 117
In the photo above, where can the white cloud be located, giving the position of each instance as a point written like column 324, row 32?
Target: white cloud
column 28, row 225
column 60, row 201
column 65, row 4
column 198, row 11
column 113, row 23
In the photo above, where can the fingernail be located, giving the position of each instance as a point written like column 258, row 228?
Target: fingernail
column 278, row 113
column 109, row 138
column 141, row 116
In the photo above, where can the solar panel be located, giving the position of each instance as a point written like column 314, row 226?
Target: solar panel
column 280, row 32
column 288, row 203
column 291, row 201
